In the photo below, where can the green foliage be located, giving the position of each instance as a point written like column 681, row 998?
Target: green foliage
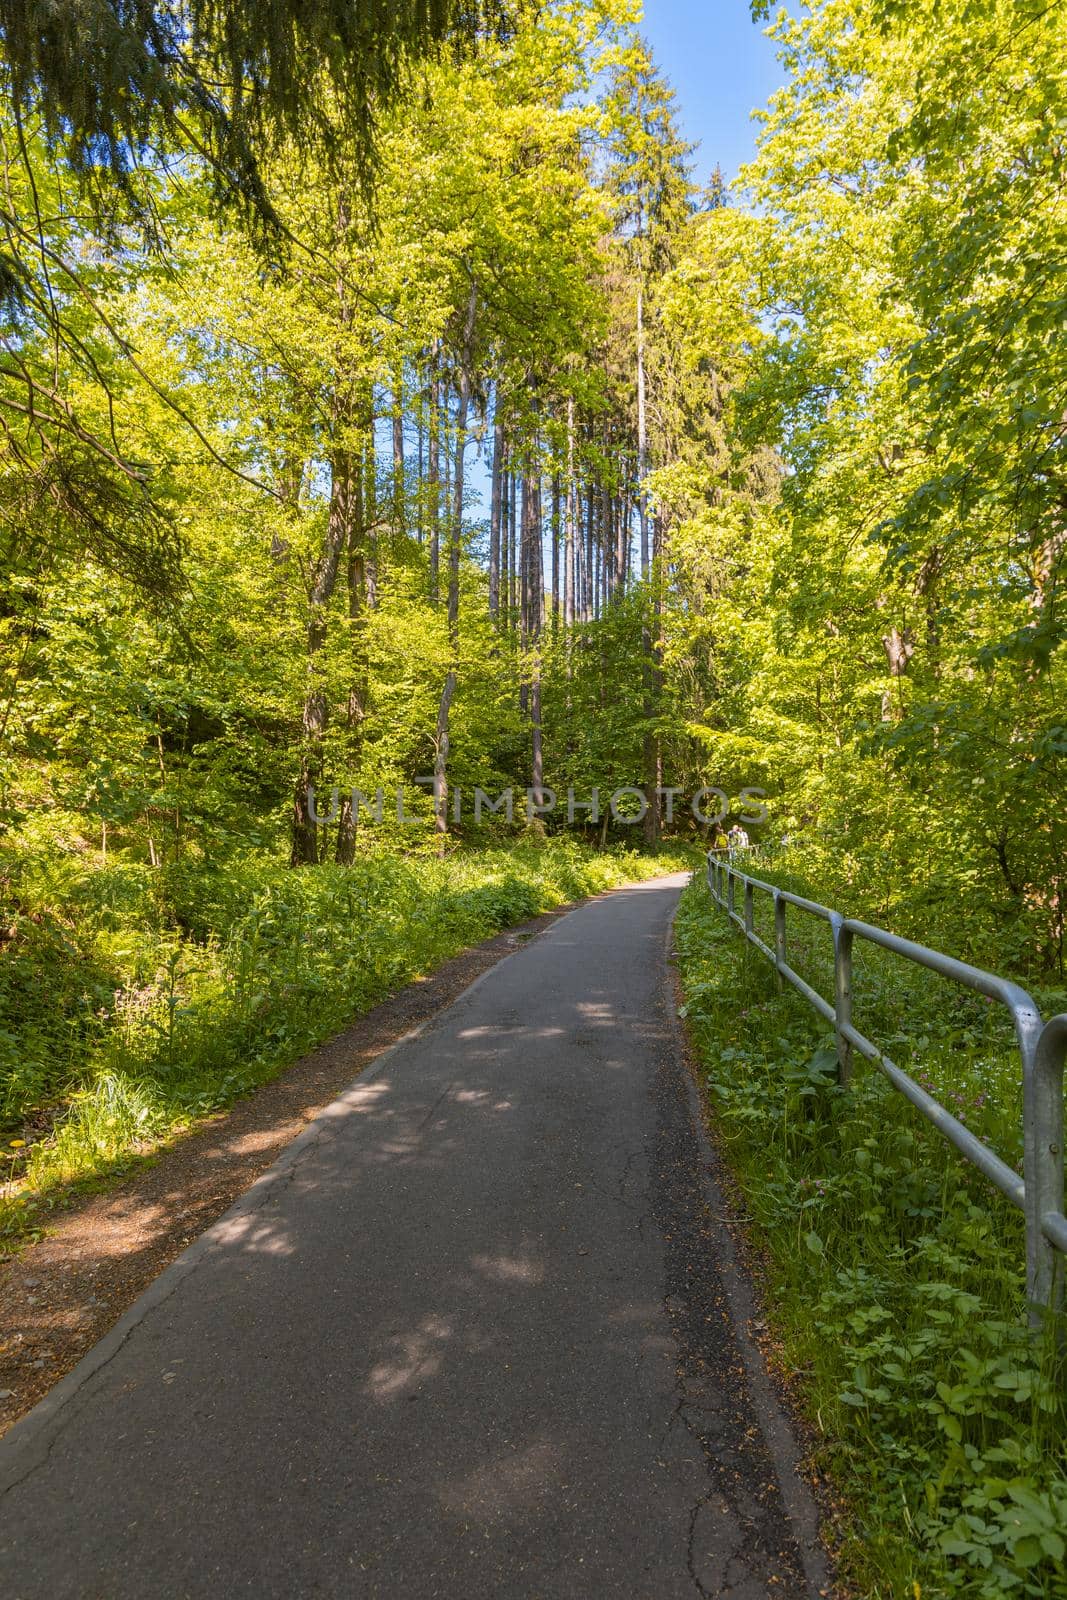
column 218, row 586
column 884, row 646
column 244, row 554
column 134, row 1002
column 895, row 1270
column 115, row 82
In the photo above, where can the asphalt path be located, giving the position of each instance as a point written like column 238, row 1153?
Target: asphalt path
column 480, row 1332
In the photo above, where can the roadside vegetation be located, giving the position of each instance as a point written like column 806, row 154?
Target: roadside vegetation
column 895, row 1272
column 404, row 406
column 134, row 1002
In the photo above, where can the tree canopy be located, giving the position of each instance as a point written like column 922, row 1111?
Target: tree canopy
column 118, row 82
column 661, row 486
column 395, row 414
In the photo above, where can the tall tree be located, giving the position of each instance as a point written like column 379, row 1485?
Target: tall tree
column 442, row 738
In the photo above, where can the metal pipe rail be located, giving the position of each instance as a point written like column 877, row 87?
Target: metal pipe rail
column 1039, row 1193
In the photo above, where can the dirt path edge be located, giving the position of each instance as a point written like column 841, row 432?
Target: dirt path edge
column 61, row 1296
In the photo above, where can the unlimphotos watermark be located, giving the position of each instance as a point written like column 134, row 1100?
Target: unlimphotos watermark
column 628, row 806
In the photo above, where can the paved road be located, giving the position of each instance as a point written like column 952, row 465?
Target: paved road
column 476, row 1335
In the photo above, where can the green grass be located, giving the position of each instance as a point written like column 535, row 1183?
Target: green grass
column 134, row 1002
column 895, row 1271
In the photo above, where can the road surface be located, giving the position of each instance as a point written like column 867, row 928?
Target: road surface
column 479, row 1333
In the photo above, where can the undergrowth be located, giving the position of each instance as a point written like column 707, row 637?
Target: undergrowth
column 896, row 1272
column 135, row 1001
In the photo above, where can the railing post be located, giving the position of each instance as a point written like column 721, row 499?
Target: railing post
column 1043, row 1164
column 842, row 995
column 1043, row 1053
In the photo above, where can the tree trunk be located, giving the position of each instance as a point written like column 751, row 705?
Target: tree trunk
column 399, row 519
column 642, row 429
column 524, row 594
column 555, row 552
column 506, row 491
column 356, row 710
column 652, row 645
column 305, row 851
column 568, row 547
column 513, row 542
column 495, row 513
column 369, row 511
column 344, row 469
column 533, row 621
column 594, row 568
column 579, row 554
column 421, row 480
column 455, row 538
column 433, row 480
column 608, row 541
column 899, row 648
column 620, row 547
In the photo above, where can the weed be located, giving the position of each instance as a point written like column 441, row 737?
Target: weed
column 897, row 1271
column 134, row 1007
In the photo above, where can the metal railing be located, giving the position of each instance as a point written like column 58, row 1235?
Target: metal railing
column 1039, row 1193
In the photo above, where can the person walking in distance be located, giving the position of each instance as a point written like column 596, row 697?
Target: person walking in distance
column 737, row 840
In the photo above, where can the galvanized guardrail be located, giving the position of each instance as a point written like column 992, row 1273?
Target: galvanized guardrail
column 1039, row 1193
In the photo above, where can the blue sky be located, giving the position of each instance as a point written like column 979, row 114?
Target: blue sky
column 720, row 66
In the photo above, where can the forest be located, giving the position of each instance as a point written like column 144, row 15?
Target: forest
column 443, row 428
